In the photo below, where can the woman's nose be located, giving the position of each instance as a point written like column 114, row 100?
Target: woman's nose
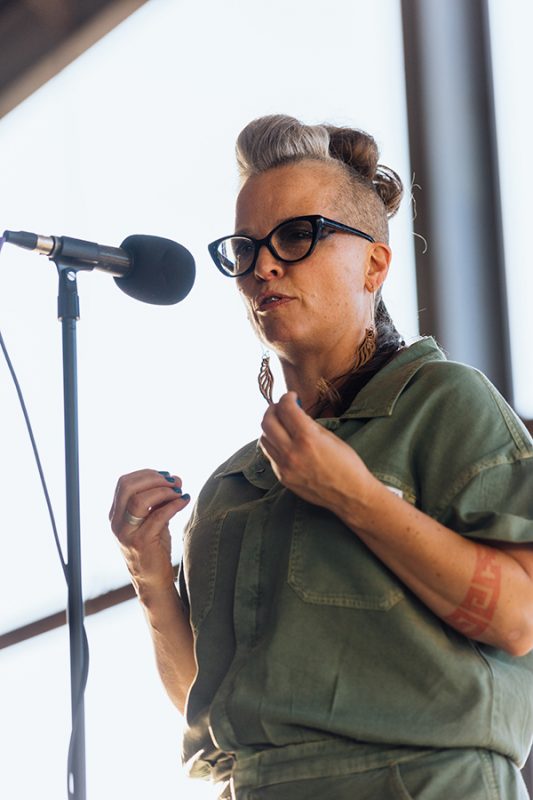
column 267, row 265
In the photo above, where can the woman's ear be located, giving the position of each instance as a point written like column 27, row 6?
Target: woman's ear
column 377, row 265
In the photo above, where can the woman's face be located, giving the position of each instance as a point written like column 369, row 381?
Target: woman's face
column 325, row 301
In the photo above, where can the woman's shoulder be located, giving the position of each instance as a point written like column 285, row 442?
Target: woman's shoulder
column 464, row 393
column 426, row 363
column 238, row 461
column 457, row 386
column 467, row 447
column 454, row 375
column 233, row 465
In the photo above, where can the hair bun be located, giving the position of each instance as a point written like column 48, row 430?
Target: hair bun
column 389, row 186
column 359, row 150
column 355, row 148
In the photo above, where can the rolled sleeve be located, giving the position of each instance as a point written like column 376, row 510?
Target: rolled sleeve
column 497, row 504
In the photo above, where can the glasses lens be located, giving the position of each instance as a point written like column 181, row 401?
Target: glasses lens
column 294, row 239
column 236, row 254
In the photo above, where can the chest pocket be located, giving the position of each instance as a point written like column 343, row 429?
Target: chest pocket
column 329, row 565
column 201, row 544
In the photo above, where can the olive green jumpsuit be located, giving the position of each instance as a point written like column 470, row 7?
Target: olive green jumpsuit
column 321, row 675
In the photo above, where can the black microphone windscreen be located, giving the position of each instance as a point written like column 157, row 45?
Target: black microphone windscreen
column 162, row 271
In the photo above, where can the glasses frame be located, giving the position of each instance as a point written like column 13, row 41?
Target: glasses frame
column 318, row 223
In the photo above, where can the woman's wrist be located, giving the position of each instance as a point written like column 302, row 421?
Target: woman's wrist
column 359, row 510
column 150, row 593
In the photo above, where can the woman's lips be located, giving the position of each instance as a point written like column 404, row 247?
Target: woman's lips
column 272, row 301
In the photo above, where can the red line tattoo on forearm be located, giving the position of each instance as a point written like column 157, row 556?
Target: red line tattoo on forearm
column 475, row 613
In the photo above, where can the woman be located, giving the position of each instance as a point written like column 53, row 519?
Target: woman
column 355, row 611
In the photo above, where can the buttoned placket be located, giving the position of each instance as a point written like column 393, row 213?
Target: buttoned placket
column 247, row 594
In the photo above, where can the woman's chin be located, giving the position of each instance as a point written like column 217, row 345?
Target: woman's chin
column 271, row 330
column 280, row 338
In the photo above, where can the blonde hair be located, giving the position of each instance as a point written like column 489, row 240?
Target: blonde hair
column 371, row 192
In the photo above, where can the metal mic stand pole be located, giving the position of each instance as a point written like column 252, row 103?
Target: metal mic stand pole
column 68, row 313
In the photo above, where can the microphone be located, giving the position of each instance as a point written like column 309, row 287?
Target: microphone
column 148, row 268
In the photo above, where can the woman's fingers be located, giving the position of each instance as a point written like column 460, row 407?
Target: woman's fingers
column 144, row 503
column 136, row 482
column 308, row 459
column 132, row 482
column 142, row 506
column 283, row 424
column 274, row 438
column 138, row 494
column 284, row 420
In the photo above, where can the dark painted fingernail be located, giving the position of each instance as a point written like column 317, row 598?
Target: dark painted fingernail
column 166, row 476
column 176, row 489
column 185, row 497
column 299, row 402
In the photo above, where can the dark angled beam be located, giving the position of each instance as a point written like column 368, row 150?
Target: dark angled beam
column 93, row 606
column 57, row 620
column 38, row 38
column 461, row 280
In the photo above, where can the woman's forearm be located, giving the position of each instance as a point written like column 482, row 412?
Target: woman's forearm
column 478, row 589
column 452, row 575
column 173, row 642
column 144, row 503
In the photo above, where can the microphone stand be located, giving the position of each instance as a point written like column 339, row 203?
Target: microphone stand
column 76, row 255
column 68, row 314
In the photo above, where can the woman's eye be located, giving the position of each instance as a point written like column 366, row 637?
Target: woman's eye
column 297, row 234
column 243, row 249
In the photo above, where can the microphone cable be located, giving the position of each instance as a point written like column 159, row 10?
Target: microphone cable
column 36, row 454
column 76, row 715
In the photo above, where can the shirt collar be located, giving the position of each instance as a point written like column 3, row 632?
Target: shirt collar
column 379, row 396
column 253, row 464
column 376, row 399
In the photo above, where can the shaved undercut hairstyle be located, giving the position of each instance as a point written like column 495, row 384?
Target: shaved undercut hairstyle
column 369, row 194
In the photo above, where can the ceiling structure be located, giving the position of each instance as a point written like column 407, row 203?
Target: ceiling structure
column 38, row 38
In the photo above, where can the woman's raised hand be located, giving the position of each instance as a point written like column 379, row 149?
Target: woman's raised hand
column 310, row 460
column 144, row 503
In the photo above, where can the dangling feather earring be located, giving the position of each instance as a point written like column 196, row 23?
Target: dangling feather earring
column 265, row 378
column 367, row 348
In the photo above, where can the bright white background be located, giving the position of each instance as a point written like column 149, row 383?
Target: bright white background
column 137, row 136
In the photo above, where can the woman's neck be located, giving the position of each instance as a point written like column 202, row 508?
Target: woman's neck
column 304, row 375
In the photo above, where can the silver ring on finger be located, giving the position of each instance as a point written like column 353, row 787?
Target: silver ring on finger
column 131, row 519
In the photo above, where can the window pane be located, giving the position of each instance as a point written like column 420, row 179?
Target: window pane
column 511, row 24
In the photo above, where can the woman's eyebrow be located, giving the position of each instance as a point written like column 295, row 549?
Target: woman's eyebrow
column 246, row 232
